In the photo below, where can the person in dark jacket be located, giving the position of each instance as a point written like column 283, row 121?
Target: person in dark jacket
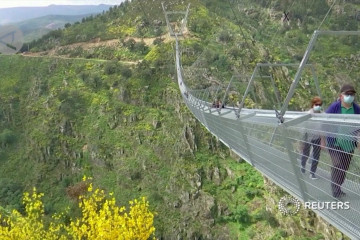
column 341, row 147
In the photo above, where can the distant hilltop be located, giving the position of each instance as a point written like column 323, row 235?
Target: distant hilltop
column 17, row 14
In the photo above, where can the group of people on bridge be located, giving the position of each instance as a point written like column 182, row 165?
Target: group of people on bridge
column 340, row 148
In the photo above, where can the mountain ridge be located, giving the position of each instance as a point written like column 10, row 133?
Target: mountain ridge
column 35, row 28
column 17, row 14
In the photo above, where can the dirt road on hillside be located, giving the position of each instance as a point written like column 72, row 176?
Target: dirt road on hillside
column 83, row 59
column 94, row 44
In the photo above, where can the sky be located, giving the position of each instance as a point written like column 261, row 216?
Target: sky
column 34, row 3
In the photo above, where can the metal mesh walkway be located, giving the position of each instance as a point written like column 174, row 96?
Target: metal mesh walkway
column 273, row 143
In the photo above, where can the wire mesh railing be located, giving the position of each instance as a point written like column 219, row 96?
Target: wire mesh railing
column 314, row 157
column 280, row 151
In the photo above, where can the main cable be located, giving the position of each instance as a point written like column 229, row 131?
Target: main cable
column 238, row 22
column 327, row 14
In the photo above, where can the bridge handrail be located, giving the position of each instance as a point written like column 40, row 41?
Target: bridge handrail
column 272, row 147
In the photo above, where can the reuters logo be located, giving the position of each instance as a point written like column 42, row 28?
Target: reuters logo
column 289, row 205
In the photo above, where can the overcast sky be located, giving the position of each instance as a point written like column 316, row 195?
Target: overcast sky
column 33, row 3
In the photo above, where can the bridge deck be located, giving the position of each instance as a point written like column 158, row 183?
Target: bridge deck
column 266, row 149
column 275, row 149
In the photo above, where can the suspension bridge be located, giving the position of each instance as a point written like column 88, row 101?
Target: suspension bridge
column 271, row 140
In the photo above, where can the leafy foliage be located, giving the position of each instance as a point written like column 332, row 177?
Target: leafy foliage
column 10, row 193
column 101, row 219
column 7, row 137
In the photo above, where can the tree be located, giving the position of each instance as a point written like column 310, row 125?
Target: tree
column 7, row 137
column 141, row 47
column 73, row 103
column 110, row 68
column 129, row 43
column 125, row 71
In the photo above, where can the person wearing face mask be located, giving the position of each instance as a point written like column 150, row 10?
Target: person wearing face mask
column 341, row 147
column 312, row 140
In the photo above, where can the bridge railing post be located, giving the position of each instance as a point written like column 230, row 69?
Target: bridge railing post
column 276, row 91
column 247, row 91
column 167, row 20
column 226, row 92
column 299, row 72
column 184, row 22
column 210, row 98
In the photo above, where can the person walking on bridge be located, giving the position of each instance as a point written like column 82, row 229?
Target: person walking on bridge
column 341, row 146
column 313, row 140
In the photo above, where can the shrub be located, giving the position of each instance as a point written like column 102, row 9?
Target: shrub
column 72, row 103
column 125, row 71
column 241, row 215
column 110, row 68
column 101, row 219
column 77, row 190
column 225, row 36
column 10, row 193
column 7, row 137
column 129, row 43
column 141, row 47
column 158, row 41
column 78, row 51
column 235, row 52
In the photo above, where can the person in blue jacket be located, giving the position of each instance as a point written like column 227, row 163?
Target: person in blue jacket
column 341, row 147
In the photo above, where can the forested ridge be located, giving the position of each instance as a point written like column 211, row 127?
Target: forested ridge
column 66, row 113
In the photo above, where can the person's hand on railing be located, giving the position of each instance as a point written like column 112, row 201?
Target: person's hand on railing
column 322, row 143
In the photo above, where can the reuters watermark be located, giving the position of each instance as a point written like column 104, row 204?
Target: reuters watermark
column 327, row 205
column 289, row 205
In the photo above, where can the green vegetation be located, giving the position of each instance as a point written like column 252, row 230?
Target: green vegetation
column 127, row 127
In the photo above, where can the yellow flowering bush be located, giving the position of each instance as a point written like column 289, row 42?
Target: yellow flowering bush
column 100, row 219
column 31, row 225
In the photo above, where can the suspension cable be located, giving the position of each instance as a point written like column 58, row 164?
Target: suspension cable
column 238, row 22
column 327, row 14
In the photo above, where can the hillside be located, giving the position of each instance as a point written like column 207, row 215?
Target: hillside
column 37, row 27
column 76, row 109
